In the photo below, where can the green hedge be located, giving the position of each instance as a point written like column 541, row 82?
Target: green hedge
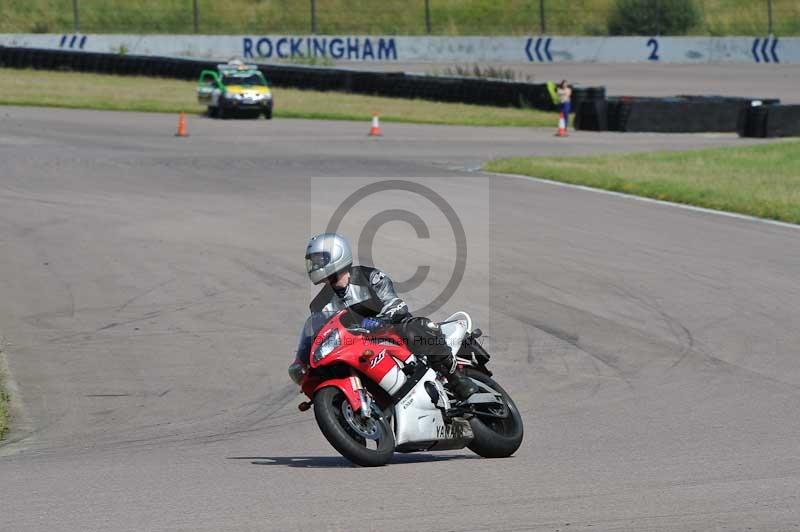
column 652, row 17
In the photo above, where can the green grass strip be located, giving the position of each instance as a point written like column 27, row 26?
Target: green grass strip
column 76, row 90
column 762, row 181
column 4, row 400
column 387, row 17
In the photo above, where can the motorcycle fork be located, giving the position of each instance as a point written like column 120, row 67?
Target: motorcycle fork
column 366, row 400
column 353, row 389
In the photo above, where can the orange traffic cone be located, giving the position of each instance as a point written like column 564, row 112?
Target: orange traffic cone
column 375, row 131
column 181, row 126
column 562, row 126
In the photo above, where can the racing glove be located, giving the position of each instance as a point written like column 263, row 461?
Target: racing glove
column 371, row 324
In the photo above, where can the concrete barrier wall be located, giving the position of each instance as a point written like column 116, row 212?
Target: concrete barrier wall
column 540, row 49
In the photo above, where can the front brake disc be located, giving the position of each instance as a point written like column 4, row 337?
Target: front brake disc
column 365, row 427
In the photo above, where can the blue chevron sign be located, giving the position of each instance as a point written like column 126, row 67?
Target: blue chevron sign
column 767, row 50
column 72, row 41
column 537, row 49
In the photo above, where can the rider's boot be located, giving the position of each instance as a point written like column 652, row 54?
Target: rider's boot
column 426, row 337
column 458, row 383
column 461, row 386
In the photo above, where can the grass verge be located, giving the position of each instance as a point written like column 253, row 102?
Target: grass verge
column 4, row 400
column 3, row 413
column 387, row 17
column 131, row 93
column 761, row 181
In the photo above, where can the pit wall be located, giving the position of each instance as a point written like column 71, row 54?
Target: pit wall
column 766, row 50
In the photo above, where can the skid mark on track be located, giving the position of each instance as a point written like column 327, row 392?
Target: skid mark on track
column 557, row 349
column 687, row 345
column 268, row 278
column 608, row 360
column 626, row 350
column 143, row 294
column 741, row 370
column 682, row 335
column 26, row 231
column 276, row 401
column 149, row 316
column 38, row 320
column 209, row 428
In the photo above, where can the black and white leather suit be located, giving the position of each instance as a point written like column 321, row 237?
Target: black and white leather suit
column 371, row 294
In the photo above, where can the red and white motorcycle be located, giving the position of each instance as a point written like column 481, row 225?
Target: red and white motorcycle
column 372, row 396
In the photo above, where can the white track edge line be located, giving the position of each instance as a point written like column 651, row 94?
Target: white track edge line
column 644, row 199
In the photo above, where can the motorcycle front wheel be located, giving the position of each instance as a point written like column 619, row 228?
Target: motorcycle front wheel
column 495, row 437
column 364, row 441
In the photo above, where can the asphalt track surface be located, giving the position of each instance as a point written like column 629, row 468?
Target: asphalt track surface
column 637, row 79
column 152, row 288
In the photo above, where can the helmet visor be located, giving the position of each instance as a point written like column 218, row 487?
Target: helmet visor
column 316, row 261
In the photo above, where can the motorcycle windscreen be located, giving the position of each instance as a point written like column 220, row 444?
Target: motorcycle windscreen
column 314, row 323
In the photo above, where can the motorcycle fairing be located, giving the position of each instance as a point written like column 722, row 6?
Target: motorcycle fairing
column 416, row 417
column 381, row 360
column 419, row 423
column 455, row 329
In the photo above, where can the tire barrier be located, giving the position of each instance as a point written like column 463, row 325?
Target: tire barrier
column 771, row 121
column 680, row 114
column 592, row 115
column 684, row 115
column 593, row 111
column 592, row 98
column 754, row 123
column 493, row 92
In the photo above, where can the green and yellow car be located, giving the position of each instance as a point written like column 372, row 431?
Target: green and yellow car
column 235, row 88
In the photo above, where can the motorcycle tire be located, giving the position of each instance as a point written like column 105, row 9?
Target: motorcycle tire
column 328, row 413
column 495, row 438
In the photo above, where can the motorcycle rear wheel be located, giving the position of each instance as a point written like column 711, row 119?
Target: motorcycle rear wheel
column 328, row 412
column 495, row 438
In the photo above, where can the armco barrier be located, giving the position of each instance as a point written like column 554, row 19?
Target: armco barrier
column 771, row 121
column 397, row 84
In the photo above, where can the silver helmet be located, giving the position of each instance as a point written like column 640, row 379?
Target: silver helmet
column 327, row 254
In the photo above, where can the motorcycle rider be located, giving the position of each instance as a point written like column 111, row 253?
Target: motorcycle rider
column 369, row 293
